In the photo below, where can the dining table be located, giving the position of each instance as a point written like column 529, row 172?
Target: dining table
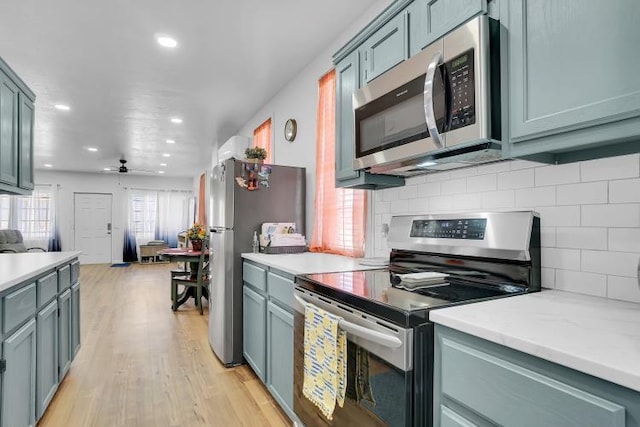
column 192, row 257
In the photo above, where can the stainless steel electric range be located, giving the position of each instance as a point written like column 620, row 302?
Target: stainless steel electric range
column 436, row 261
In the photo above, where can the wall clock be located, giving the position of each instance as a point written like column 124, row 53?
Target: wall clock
column 290, row 130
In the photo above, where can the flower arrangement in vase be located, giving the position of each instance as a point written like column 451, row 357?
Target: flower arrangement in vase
column 196, row 234
column 255, row 154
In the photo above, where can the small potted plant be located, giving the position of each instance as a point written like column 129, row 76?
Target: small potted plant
column 255, row 154
column 196, row 234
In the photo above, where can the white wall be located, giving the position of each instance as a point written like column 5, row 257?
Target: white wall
column 299, row 100
column 115, row 184
column 589, row 215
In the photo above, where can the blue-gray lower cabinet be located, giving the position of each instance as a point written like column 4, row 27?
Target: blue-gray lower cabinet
column 47, row 356
column 64, row 333
column 75, row 319
column 280, row 355
column 254, row 311
column 477, row 382
column 19, row 379
column 573, row 89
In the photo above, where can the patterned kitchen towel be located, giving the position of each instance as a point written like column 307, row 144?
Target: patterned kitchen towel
column 325, row 352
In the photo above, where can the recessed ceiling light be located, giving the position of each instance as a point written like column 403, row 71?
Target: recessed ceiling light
column 160, row 171
column 62, row 107
column 92, row 149
column 106, row 169
column 166, row 155
column 176, row 120
column 48, row 165
column 166, row 41
column 171, row 141
column 163, row 164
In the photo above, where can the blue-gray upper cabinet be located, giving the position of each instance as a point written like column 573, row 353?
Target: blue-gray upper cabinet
column 347, row 82
column 16, row 133
column 431, row 19
column 573, row 89
column 19, row 379
column 387, row 47
column 477, row 382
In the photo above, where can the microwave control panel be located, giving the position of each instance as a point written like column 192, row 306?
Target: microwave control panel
column 461, row 79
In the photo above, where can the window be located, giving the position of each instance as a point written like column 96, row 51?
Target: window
column 262, row 138
column 33, row 215
column 5, row 202
column 340, row 214
column 143, row 210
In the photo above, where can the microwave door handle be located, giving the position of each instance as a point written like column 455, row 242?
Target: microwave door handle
column 380, row 338
column 429, row 112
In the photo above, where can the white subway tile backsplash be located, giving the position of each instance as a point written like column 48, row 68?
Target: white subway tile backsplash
column 390, row 195
column 498, row 199
column 557, row 174
column 414, row 180
column 524, row 164
column 624, row 191
column 454, row 186
column 429, row 189
column 493, row 168
column 611, row 168
column 623, row 288
column 463, row 172
column 559, row 216
column 560, row 258
column 418, row 206
column 438, row 176
column 621, row 215
column 548, row 237
column 541, row 196
column 624, row 239
column 613, row 263
column 581, row 238
column 548, row 278
column 399, row 207
column 441, row 203
column 481, row 183
column 523, row 178
column 582, row 194
column 408, row 192
column 584, row 283
column 467, row 202
column 383, row 207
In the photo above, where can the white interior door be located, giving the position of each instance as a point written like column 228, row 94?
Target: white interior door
column 92, row 224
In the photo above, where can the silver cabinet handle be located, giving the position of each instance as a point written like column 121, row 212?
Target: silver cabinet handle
column 362, row 332
column 429, row 113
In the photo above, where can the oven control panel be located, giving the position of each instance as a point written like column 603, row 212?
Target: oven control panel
column 470, row 229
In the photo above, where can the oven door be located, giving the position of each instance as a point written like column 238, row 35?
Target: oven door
column 379, row 369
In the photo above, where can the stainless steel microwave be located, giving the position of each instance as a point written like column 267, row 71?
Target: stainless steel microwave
column 438, row 110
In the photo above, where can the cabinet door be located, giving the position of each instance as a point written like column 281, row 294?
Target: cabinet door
column 280, row 355
column 25, row 169
column 569, row 71
column 254, row 314
column 64, row 333
column 19, row 379
column 46, row 357
column 347, row 82
column 75, row 319
column 431, row 19
column 385, row 48
column 8, row 131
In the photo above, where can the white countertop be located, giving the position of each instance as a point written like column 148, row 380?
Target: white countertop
column 597, row 336
column 16, row 268
column 308, row 262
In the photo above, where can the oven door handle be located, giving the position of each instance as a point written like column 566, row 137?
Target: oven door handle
column 429, row 113
column 380, row 338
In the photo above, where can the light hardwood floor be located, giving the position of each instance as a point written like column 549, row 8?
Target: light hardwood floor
column 141, row 364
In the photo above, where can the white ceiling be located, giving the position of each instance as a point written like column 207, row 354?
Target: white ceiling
column 101, row 58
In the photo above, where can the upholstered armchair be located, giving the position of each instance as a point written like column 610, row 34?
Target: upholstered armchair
column 11, row 242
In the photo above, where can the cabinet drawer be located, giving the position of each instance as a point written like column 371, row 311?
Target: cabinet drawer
column 255, row 276
column 64, row 278
column 19, row 306
column 499, row 390
column 75, row 271
column 281, row 289
column 47, row 288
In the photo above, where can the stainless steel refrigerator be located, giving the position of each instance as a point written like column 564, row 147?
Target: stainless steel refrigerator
column 242, row 196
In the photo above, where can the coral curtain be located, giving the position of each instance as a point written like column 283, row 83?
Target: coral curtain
column 262, row 138
column 202, row 216
column 340, row 214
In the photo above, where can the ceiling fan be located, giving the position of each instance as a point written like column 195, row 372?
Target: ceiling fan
column 124, row 169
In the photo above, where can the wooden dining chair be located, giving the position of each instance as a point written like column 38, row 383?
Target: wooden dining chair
column 192, row 281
